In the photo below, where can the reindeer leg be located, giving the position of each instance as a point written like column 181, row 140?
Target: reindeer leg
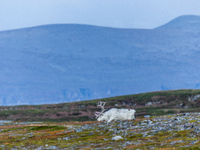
column 110, row 120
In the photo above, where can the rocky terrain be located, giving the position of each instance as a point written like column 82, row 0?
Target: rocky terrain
column 173, row 131
column 164, row 120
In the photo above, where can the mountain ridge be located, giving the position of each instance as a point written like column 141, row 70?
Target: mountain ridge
column 65, row 63
column 185, row 21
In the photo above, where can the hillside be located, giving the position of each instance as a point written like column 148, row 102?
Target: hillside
column 67, row 62
column 153, row 103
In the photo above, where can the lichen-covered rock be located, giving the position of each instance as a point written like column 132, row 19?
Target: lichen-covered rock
column 194, row 98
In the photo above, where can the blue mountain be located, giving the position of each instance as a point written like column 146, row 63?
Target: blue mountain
column 70, row 62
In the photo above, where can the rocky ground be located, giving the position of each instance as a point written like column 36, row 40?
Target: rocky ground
column 177, row 131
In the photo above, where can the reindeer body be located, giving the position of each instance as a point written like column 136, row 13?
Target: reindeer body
column 117, row 114
column 114, row 113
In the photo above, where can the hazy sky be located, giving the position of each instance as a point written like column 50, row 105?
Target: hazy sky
column 16, row 14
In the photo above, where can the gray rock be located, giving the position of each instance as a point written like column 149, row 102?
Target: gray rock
column 101, row 126
column 147, row 116
column 91, row 133
column 149, row 103
column 193, row 98
column 66, row 138
column 177, row 119
column 111, row 129
column 52, row 147
column 144, row 135
column 124, row 103
column 40, row 148
column 193, row 142
column 149, row 122
column 117, row 138
column 174, row 142
column 78, row 130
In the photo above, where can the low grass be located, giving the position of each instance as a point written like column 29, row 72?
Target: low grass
column 54, row 134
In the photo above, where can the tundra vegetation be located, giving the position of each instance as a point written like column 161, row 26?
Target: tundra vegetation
column 175, row 131
column 164, row 120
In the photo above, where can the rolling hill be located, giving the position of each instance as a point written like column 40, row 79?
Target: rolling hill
column 69, row 62
column 151, row 103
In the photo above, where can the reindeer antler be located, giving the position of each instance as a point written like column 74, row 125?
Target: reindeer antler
column 101, row 104
column 97, row 114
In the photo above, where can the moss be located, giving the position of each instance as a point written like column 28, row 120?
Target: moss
column 192, row 121
column 134, row 136
column 51, row 128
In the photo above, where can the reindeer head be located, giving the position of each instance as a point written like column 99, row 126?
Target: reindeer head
column 101, row 104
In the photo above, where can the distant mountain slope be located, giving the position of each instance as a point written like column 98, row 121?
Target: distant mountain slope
column 183, row 22
column 64, row 63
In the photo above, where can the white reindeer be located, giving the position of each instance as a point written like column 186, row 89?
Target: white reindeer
column 114, row 113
